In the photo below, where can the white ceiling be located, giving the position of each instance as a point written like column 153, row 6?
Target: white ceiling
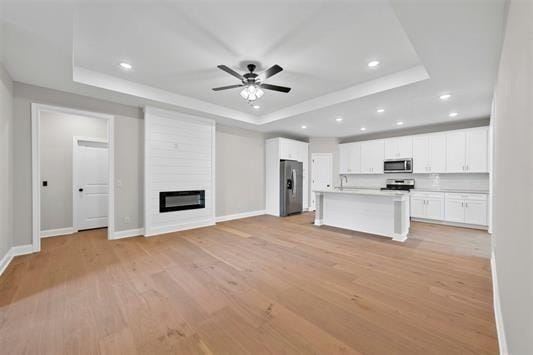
column 426, row 47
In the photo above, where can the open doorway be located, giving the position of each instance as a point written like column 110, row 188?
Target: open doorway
column 72, row 171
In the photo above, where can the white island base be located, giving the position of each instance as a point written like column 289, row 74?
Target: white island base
column 384, row 213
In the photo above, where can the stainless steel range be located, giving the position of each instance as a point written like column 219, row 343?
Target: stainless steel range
column 400, row 184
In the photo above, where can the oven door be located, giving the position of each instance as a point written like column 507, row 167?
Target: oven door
column 398, row 166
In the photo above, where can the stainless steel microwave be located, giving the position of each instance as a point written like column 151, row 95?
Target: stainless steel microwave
column 398, row 166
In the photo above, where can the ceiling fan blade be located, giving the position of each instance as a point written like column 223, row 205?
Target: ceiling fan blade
column 230, row 71
column 273, row 70
column 275, row 87
column 227, row 87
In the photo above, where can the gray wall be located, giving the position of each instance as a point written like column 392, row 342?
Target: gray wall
column 128, row 148
column 57, row 131
column 240, row 164
column 513, row 178
column 6, row 162
column 240, row 171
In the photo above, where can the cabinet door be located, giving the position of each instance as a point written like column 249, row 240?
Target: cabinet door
column 476, row 212
column 420, row 154
column 405, row 147
column 372, row 156
column 454, row 211
column 477, row 151
column 455, row 152
column 355, row 158
column 286, row 150
column 391, row 148
column 344, row 158
column 418, row 207
column 435, row 208
column 437, row 153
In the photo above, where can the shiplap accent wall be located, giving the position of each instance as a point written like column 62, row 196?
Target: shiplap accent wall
column 179, row 155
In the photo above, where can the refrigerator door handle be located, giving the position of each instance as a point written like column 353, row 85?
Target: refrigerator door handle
column 293, row 177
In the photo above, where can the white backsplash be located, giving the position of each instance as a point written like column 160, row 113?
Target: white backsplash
column 474, row 182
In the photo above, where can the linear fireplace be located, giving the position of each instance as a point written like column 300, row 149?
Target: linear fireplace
column 170, row 201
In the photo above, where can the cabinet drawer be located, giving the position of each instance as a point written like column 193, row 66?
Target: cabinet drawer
column 427, row 194
column 472, row 197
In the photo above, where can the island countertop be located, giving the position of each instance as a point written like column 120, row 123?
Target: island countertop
column 370, row 192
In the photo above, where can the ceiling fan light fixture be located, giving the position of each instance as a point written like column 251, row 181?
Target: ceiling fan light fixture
column 252, row 93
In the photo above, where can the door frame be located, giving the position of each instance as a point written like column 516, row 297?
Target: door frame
column 313, row 155
column 36, row 110
column 75, row 197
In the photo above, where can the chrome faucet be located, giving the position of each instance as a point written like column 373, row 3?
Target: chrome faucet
column 343, row 177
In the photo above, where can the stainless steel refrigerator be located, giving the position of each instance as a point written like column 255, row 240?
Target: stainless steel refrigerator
column 291, row 191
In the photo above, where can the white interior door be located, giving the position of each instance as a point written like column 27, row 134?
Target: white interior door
column 91, row 188
column 321, row 174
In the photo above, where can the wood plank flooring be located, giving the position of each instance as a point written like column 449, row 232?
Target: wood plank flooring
column 260, row 285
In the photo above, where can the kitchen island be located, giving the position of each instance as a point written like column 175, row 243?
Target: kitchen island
column 384, row 213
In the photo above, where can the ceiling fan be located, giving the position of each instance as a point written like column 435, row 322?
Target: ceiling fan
column 253, row 83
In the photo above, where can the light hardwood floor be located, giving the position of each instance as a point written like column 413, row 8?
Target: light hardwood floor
column 253, row 286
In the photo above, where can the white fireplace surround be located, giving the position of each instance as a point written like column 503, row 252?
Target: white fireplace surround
column 179, row 155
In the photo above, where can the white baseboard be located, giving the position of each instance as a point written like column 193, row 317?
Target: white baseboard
column 11, row 253
column 57, row 232
column 179, row 227
column 128, row 233
column 231, row 217
column 502, row 340
column 451, row 224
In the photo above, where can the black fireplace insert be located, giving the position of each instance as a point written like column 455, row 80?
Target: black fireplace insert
column 170, row 201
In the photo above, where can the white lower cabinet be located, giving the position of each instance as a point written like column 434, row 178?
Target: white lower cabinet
column 450, row 207
column 466, row 208
column 428, row 205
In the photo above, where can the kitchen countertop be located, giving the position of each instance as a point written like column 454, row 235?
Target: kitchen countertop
column 429, row 189
column 459, row 191
column 365, row 191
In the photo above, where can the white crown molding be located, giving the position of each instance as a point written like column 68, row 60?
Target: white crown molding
column 385, row 83
column 108, row 82
column 371, row 87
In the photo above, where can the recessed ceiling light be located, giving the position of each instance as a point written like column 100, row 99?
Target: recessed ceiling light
column 257, row 107
column 338, row 119
column 453, row 114
column 373, row 63
column 445, row 97
column 399, row 123
column 304, row 127
column 380, row 110
column 363, row 129
column 126, row 66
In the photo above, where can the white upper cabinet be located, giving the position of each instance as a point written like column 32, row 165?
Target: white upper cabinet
column 372, row 156
column 344, row 158
column 289, row 149
column 399, row 147
column 477, row 151
column 460, row 151
column 350, row 158
column 467, row 151
column 429, row 153
column 456, row 152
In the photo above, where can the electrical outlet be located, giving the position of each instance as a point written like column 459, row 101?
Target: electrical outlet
column 127, row 219
column 119, row 183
